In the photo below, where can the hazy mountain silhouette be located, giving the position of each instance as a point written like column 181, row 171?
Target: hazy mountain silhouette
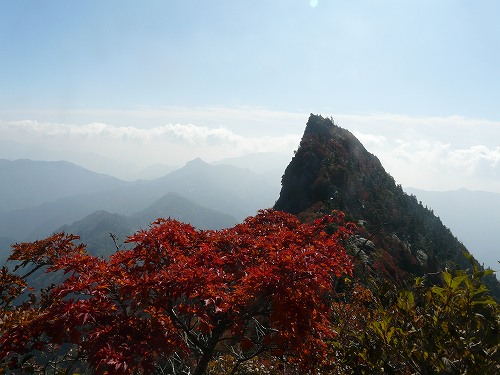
column 226, row 189
column 103, row 232
column 261, row 162
column 151, row 172
column 12, row 150
column 178, row 207
column 268, row 165
column 95, row 230
column 236, row 191
column 28, row 183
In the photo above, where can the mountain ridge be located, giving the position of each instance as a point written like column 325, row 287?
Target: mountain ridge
column 331, row 170
column 479, row 232
column 101, row 228
column 228, row 189
column 27, row 183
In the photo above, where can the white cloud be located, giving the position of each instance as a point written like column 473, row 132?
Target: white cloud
column 456, row 130
column 370, row 139
column 471, row 157
column 170, row 143
column 242, row 120
column 435, row 165
column 435, row 153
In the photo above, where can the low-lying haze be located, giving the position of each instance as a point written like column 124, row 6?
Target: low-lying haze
column 432, row 153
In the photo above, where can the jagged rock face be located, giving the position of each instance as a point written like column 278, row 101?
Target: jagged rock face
column 331, row 165
column 332, row 170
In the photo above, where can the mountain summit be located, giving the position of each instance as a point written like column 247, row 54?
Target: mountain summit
column 332, row 166
column 331, row 170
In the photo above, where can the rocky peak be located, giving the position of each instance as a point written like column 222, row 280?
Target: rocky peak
column 332, row 166
column 332, row 170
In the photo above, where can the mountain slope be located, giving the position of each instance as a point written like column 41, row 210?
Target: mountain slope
column 261, row 162
column 472, row 215
column 28, row 183
column 95, row 229
column 230, row 190
column 236, row 191
column 177, row 207
column 332, row 170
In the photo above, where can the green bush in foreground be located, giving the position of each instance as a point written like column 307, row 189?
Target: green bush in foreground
column 447, row 329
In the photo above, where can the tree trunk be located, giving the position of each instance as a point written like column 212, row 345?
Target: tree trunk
column 208, row 352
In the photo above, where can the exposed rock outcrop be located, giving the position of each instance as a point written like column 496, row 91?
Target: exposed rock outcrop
column 332, row 170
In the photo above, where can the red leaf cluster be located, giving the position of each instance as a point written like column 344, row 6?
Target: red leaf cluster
column 261, row 286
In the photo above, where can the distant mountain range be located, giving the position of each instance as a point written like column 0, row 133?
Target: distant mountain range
column 207, row 196
column 28, row 183
column 331, row 169
column 15, row 150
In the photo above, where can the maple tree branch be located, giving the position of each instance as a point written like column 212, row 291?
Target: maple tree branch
column 36, row 268
column 244, row 358
column 115, row 241
column 179, row 324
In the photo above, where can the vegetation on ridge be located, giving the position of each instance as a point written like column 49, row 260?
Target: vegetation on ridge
column 268, row 296
column 332, row 170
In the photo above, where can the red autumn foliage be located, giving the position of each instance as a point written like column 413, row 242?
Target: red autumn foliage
column 259, row 287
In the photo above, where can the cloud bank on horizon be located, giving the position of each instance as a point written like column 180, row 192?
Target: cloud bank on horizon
column 428, row 153
column 168, row 81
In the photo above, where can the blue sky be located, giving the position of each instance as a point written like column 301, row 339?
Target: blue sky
column 414, row 80
column 412, row 57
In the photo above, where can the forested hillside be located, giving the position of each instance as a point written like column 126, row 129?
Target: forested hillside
column 102, row 232
column 473, row 216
